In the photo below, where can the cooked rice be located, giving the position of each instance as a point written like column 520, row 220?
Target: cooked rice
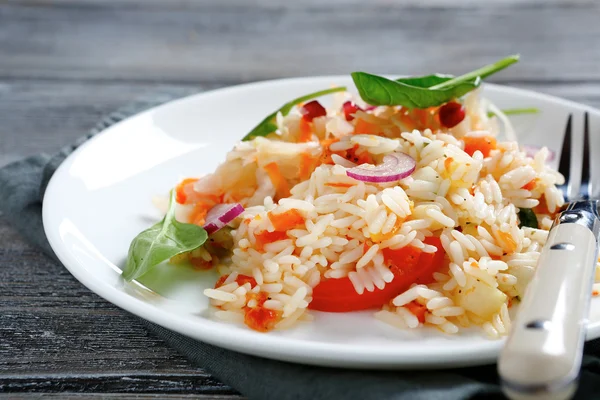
column 470, row 202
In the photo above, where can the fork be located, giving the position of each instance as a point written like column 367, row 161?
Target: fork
column 542, row 356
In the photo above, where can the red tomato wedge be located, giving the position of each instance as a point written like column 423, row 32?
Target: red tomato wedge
column 408, row 264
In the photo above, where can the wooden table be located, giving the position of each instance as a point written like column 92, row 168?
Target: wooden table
column 65, row 63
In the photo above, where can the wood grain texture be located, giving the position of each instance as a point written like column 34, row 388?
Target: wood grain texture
column 212, row 41
column 66, row 63
column 55, row 335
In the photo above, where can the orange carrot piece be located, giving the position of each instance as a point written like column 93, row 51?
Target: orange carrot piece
column 266, row 237
column 307, row 165
column 305, row 131
column 447, row 163
column 282, row 186
column 180, row 195
column 530, row 185
column 485, row 144
column 286, row 220
column 417, row 309
column 198, row 214
column 339, row 185
column 365, row 127
column 507, row 238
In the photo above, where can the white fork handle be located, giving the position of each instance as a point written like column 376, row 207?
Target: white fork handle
column 542, row 356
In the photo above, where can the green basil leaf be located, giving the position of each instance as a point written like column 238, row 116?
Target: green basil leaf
column 426, row 81
column 267, row 125
column 425, row 91
column 516, row 111
column 160, row 242
column 527, row 218
column 380, row 91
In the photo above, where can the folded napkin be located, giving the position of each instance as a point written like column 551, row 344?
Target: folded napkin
column 22, row 185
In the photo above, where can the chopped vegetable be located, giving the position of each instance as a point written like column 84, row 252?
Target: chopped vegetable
column 425, row 91
column 282, row 187
column 418, row 310
column 312, row 110
column 485, row 144
column 266, row 237
column 480, row 298
column 349, row 110
column 258, row 317
column 305, row 131
column 220, row 215
column 527, row 218
column 284, row 221
column 267, row 125
column 160, row 242
column 181, row 196
column 363, row 126
column 408, row 264
column 395, row 166
column 451, row 114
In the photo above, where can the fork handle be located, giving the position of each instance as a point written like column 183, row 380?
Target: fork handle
column 542, row 356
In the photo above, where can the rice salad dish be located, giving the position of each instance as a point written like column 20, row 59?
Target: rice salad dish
column 428, row 214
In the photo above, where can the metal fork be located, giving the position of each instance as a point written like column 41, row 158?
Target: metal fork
column 542, row 356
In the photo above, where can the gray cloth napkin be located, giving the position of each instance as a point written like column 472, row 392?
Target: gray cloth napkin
column 22, row 185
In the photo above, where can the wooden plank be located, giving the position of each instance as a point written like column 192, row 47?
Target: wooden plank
column 221, row 42
column 55, row 335
column 119, row 396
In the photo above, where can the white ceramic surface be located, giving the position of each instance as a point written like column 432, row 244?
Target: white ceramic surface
column 100, row 198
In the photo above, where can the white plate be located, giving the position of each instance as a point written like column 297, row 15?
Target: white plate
column 100, row 198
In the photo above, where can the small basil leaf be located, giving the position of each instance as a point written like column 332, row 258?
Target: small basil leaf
column 380, row 91
column 267, row 125
column 160, row 242
column 425, row 91
column 426, row 81
column 527, row 218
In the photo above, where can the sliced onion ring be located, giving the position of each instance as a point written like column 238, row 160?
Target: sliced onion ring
column 220, row 215
column 395, row 166
column 531, row 151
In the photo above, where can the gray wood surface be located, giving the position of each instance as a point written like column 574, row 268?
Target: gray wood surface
column 65, row 63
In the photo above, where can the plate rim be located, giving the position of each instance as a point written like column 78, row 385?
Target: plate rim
column 265, row 345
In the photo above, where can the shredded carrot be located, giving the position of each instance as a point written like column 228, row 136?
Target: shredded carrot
column 180, row 195
column 305, row 131
column 198, row 214
column 366, row 247
column 282, row 186
column 508, row 240
column 339, row 184
column 286, row 220
column 447, row 163
column 266, row 237
column 221, row 280
column 530, row 185
column 307, row 165
column 326, row 154
column 417, row 309
column 485, row 144
column 363, row 126
column 422, row 116
column 243, row 279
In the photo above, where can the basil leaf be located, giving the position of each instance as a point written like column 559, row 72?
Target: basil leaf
column 160, row 242
column 425, row 91
column 268, row 125
column 380, row 91
column 516, row 111
column 527, row 218
column 426, row 81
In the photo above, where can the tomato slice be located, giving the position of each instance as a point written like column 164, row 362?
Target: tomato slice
column 409, row 265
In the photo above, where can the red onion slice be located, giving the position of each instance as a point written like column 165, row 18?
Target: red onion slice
column 531, row 151
column 220, row 215
column 395, row 166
